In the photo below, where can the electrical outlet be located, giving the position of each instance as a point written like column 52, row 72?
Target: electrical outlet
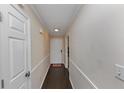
column 119, row 71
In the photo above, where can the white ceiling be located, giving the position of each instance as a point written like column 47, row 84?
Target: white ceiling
column 56, row 16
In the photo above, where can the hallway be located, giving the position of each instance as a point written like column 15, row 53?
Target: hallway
column 57, row 78
column 87, row 39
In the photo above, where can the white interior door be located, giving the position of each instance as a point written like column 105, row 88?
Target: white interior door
column 15, row 50
column 56, row 49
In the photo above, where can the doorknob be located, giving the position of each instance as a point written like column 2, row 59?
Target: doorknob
column 61, row 50
column 27, row 74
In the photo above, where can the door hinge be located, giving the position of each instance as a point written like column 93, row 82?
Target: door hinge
column 2, row 84
column 0, row 17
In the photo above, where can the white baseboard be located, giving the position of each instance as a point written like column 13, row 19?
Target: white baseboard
column 44, row 76
column 38, row 73
column 83, row 78
column 71, row 83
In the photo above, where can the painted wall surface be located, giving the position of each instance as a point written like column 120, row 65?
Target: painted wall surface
column 96, row 45
column 40, row 49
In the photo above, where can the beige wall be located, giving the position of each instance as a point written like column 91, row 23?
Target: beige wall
column 96, row 45
column 39, row 49
column 39, row 42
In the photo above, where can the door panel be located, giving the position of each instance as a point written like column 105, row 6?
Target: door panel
column 17, row 57
column 22, row 86
column 16, row 23
column 16, row 40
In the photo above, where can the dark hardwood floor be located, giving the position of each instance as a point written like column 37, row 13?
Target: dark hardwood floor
column 57, row 78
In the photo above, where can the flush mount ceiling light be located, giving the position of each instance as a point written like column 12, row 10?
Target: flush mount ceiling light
column 56, row 30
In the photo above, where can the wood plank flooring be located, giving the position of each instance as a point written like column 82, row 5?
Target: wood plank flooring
column 57, row 78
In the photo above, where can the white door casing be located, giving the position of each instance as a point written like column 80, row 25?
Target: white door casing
column 66, row 54
column 66, row 51
column 0, row 49
column 15, row 50
column 56, row 56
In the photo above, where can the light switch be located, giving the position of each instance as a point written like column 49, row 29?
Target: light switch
column 119, row 71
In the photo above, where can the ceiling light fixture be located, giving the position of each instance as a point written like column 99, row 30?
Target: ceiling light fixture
column 56, row 29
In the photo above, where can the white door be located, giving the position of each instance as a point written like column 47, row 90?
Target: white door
column 56, row 51
column 14, row 48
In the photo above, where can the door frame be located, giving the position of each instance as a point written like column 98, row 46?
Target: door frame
column 0, row 50
column 66, row 51
column 28, row 45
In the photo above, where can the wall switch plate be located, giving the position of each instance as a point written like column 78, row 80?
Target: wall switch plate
column 119, row 72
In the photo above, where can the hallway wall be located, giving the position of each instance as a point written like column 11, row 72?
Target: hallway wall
column 96, row 45
column 40, row 50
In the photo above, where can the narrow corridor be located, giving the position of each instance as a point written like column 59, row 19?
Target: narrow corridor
column 57, row 78
column 61, row 46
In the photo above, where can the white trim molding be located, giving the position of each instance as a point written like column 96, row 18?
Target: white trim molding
column 82, row 76
column 42, row 60
column 72, row 83
column 44, row 76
